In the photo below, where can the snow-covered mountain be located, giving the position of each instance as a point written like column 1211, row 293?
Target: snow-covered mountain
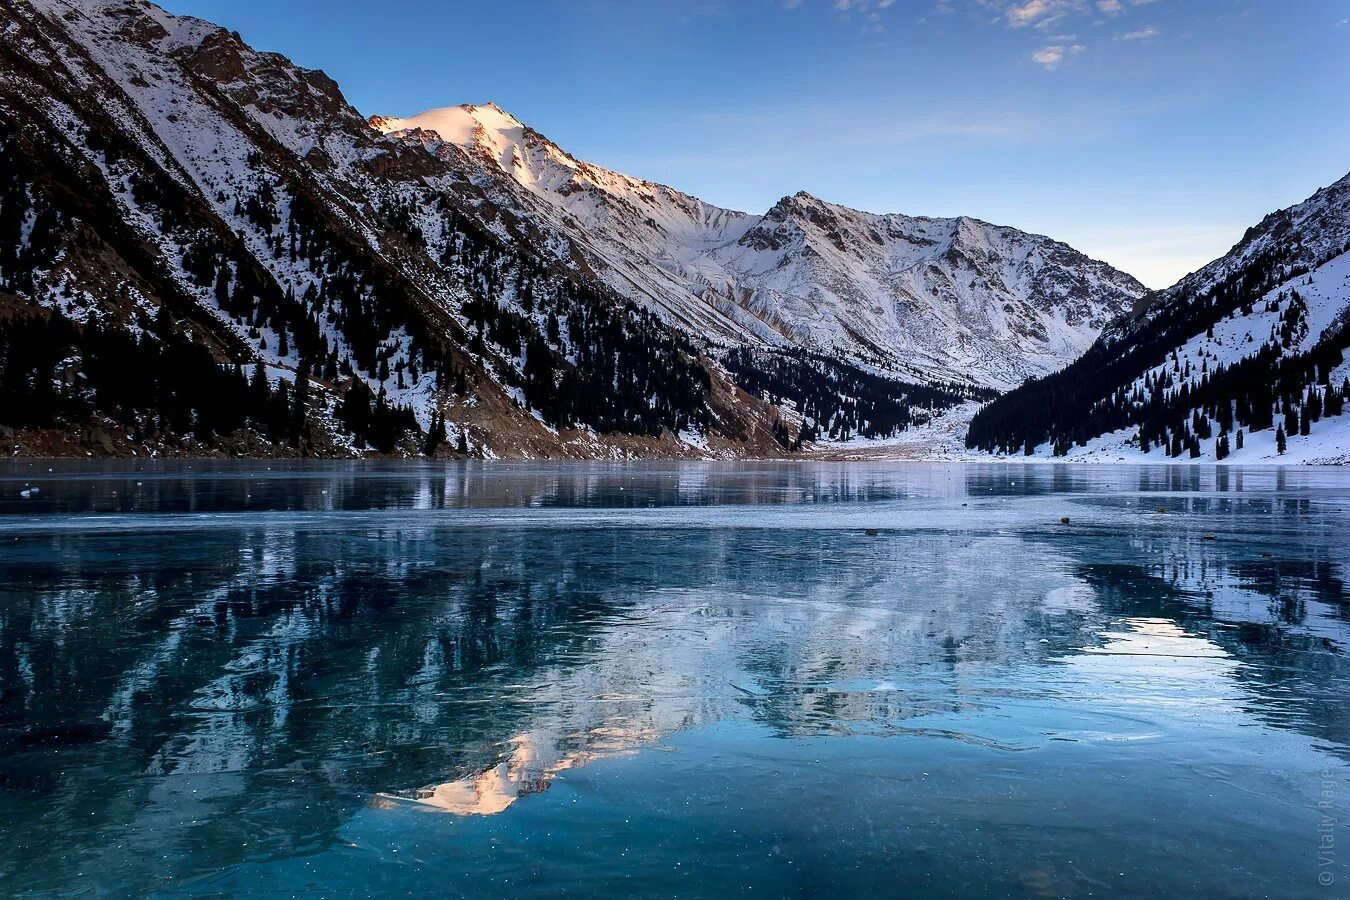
column 930, row 299
column 205, row 248
column 1243, row 360
column 205, row 245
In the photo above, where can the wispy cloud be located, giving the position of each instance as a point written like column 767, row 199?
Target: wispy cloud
column 824, row 120
column 1045, row 13
column 1142, row 34
column 1040, row 13
column 862, row 5
column 1051, row 56
column 939, row 128
column 870, row 13
column 1046, row 22
column 1046, row 16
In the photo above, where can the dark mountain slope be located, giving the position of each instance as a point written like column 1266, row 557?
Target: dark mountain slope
column 242, row 208
column 1248, row 351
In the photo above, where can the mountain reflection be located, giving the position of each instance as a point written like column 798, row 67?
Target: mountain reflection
column 532, row 762
column 183, row 691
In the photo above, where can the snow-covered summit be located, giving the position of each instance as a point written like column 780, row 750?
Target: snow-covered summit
column 933, row 299
column 459, row 267
column 487, row 130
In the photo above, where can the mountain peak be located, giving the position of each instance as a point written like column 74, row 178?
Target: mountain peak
column 481, row 129
column 490, row 112
column 460, row 125
column 793, row 204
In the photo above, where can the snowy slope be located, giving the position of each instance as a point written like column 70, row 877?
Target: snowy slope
column 461, row 272
column 240, row 203
column 205, row 108
column 950, row 298
column 1261, row 331
column 931, row 299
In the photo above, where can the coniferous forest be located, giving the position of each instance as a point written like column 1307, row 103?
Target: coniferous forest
column 840, row 401
column 1164, row 381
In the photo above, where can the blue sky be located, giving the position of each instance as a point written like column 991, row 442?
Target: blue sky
column 1150, row 133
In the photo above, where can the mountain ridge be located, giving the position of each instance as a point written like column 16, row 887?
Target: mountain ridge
column 270, row 217
column 1243, row 359
column 341, row 286
column 709, row 266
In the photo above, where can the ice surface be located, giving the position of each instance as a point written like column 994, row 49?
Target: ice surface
column 592, row 679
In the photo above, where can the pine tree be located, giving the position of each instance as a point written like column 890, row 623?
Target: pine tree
column 260, row 393
column 163, row 322
column 1334, row 404
column 223, row 287
column 300, row 408
column 435, row 434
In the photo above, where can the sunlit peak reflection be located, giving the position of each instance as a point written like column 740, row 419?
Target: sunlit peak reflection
column 1157, row 637
column 535, row 759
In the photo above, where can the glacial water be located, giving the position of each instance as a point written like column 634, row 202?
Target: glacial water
column 701, row 680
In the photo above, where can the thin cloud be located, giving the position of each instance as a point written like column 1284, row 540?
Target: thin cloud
column 1045, row 13
column 862, row 5
column 1052, row 56
column 938, row 128
column 1055, row 23
column 789, row 122
column 1040, row 13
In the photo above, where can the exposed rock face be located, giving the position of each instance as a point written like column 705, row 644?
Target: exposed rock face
column 217, row 58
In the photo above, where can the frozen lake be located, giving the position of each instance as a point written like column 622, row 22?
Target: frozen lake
column 702, row 680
